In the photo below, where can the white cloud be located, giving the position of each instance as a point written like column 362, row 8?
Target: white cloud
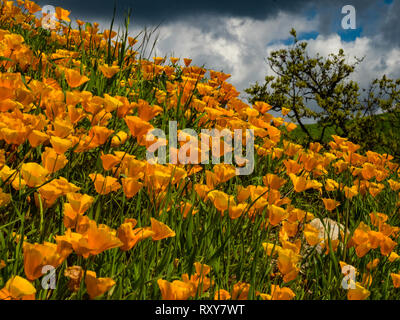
column 239, row 46
column 377, row 62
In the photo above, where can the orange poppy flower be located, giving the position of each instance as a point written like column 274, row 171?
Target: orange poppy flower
column 196, row 282
column 276, row 214
column 104, row 185
column 119, row 139
column 132, row 41
column 222, row 294
column 394, row 185
column 70, row 216
column 187, row 61
column 243, row 193
column 109, row 72
column 34, row 174
column 186, row 208
column 377, row 218
column 271, row 248
column 350, row 192
column 147, row 112
column 49, row 193
column 60, row 145
column 36, row 256
column 18, row 288
column 137, row 126
column 109, row 161
column 94, row 241
column 330, row 204
column 224, row 172
column 273, row 181
column 37, row 137
column 130, row 236
column 111, row 104
column 174, row 60
column 79, row 202
column 5, row 199
column 62, row 129
column 395, row 279
column 201, row 190
column 74, row 78
column 359, row 293
column 236, row 211
column 160, row 230
column 240, row 291
column 287, row 264
column 368, row 171
column 393, row 256
column 80, row 22
column 175, row 290
column 131, row 187
column 211, row 179
column 312, row 235
column 62, row 14
column 299, row 183
column 387, row 245
column 100, row 135
column 292, row 166
column 52, row 161
column 221, row 200
column 32, row 7
column 302, row 183
column 331, row 185
column 97, row 286
column 278, row 293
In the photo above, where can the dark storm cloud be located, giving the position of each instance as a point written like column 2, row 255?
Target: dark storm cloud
column 370, row 13
column 156, row 11
column 390, row 26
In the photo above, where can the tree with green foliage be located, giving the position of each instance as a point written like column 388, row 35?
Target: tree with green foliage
column 379, row 127
column 321, row 89
column 315, row 88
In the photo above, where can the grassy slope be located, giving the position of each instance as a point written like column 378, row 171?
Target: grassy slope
column 315, row 130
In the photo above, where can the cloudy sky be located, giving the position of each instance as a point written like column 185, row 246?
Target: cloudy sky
column 236, row 36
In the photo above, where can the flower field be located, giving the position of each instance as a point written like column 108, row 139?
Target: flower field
column 82, row 207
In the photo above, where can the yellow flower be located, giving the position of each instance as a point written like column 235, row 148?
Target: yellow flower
column 97, row 286
column 161, row 231
column 221, row 200
column 330, row 204
column 36, row 256
column 175, row 290
column 104, row 185
column 20, row 288
column 395, row 279
column 359, row 293
column 62, row 14
column 34, row 174
column 60, row 145
column 278, row 293
column 53, row 161
column 74, row 78
column 109, row 72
